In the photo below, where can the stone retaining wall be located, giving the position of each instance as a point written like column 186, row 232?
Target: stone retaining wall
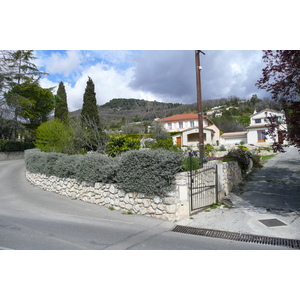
column 173, row 207
column 11, row 155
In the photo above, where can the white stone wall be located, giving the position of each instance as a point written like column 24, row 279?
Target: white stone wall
column 11, row 155
column 173, row 207
column 229, row 176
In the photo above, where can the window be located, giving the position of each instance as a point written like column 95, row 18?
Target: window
column 192, row 123
column 257, row 121
column 180, row 125
column 169, row 125
column 261, row 137
column 193, row 137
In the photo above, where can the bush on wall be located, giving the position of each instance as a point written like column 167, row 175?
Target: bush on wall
column 240, row 155
column 148, row 171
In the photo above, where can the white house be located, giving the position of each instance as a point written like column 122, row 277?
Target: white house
column 258, row 125
column 255, row 133
column 187, row 131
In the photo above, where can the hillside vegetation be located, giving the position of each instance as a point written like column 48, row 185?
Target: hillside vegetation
column 235, row 111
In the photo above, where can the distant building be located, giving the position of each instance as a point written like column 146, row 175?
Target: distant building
column 187, row 131
column 258, row 126
column 255, row 133
column 232, row 138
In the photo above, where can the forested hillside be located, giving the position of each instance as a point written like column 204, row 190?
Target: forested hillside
column 234, row 111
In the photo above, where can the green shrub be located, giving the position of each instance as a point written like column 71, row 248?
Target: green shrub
column 90, row 168
column 190, row 163
column 257, row 161
column 41, row 162
column 121, row 143
column 54, row 136
column 208, row 149
column 166, row 144
column 243, row 148
column 10, row 146
column 148, row 171
column 94, row 168
column 66, row 166
column 241, row 156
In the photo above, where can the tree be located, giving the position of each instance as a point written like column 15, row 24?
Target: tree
column 89, row 137
column 16, row 68
column 31, row 102
column 61, row 106
column 55, row 136
column 281, row 77
column 21, row 67
column 89, row 107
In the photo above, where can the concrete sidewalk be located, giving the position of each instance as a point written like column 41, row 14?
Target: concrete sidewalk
column 270, row 194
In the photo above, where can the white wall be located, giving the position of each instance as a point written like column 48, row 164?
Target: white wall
column 232, row 141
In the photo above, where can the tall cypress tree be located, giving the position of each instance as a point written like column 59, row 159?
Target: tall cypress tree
column 89, row 108
column 61, row 105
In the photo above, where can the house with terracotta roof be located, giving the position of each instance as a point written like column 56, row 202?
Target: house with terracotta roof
column 187, row 131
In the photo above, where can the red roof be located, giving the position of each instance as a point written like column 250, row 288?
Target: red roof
column 180, row 117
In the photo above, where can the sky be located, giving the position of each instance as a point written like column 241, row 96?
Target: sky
column 161, row 75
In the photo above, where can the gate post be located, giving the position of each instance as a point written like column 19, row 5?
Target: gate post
column 216, row 184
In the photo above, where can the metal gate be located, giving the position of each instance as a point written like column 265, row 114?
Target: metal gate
column 203, row 187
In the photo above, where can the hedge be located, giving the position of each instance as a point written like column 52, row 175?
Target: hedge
column 11, row 146
column 150, row 172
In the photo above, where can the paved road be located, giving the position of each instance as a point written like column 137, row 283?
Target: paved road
column 31, row 218
column 277, row 185
column 272, row 192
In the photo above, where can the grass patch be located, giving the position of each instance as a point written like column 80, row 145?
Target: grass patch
column 265, row 158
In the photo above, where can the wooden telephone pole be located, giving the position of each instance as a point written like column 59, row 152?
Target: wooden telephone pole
column 199, row 105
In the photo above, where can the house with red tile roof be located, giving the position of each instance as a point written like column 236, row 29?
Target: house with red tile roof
column 187, row 132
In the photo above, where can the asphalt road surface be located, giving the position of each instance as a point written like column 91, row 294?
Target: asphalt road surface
column 31, row 218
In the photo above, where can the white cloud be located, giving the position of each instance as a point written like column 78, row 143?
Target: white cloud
column 109, row 83
column 167, row 76
column 63, row 63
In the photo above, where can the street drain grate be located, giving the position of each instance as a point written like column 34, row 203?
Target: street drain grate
column 272, row 222
column 240, row 237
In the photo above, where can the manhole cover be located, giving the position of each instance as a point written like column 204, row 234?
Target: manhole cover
column 272, row 222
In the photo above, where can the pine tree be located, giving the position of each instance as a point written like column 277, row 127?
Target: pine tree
column 89, row 108
column 61, row 105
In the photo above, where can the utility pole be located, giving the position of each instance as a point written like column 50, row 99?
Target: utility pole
column 199, row 105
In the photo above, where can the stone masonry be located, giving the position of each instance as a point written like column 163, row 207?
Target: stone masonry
column 173, row 207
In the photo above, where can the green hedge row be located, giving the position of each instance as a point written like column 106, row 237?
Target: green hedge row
column 146, row 171
column 10, row 146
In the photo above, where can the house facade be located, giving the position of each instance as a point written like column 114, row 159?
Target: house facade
column 258, row 126
column 255, row 133
column 187, row 131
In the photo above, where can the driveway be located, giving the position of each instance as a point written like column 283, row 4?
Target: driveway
column 266, row 203
column 275, row 187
